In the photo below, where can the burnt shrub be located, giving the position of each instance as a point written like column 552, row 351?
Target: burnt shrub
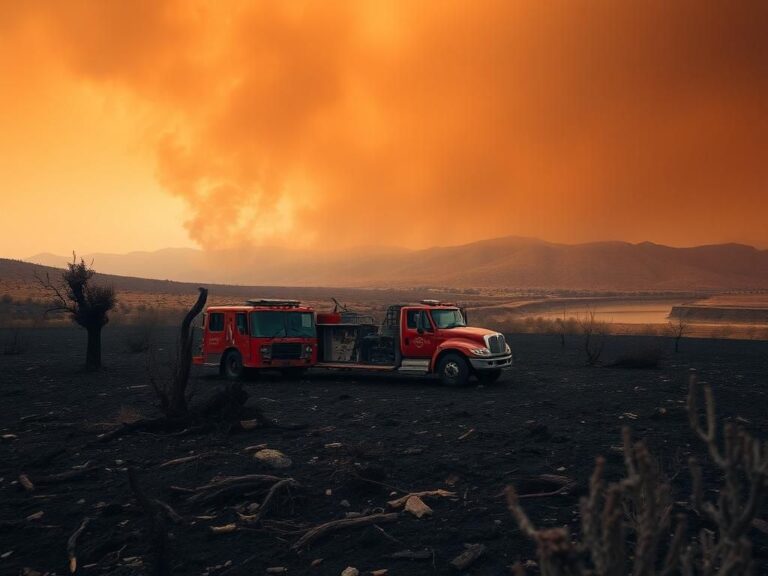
column 142, row 331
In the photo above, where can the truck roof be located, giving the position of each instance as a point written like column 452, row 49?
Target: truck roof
column 258, row 308
column 427, row 304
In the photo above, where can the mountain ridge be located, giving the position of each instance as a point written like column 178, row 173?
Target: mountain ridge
column 506, row 262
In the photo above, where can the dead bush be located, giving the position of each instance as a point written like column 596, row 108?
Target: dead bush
column 143, row 331
column 604, row 548
column 594, row 333
column 678, row 328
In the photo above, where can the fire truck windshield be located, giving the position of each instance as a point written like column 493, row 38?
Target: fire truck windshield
column 279, row 324
column 448, row 318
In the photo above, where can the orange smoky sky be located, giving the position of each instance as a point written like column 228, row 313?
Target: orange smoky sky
column 142, row 124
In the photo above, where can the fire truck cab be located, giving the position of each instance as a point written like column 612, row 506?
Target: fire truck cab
column 259, row 334
column 430, row 337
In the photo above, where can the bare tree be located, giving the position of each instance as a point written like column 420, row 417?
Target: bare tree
column 594, row 333
column 173, row 395
column 678, row 326
column 87, row 304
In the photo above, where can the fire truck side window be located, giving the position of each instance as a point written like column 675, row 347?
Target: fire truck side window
column 215, row 322
column 242, row 323
column 412, row 319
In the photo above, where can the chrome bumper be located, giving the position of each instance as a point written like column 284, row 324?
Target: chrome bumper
column 493, row 363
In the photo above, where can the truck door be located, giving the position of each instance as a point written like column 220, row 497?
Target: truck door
column 241, row 336
column 213, row 340
column 417, row 333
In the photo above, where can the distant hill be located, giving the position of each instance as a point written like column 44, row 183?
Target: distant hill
column 509, row 262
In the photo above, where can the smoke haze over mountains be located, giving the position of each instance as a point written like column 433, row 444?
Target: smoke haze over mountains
column 510, row 263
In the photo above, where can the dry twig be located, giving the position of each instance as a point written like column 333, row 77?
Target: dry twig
column 72, row 545
column 319, row 531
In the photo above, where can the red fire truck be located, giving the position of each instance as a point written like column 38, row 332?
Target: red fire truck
column 430, row 337
column 259, row 334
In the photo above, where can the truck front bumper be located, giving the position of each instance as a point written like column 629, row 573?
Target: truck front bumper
column 492, row 363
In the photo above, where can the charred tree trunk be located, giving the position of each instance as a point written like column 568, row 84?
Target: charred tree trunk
column 177, row 403
column 93, row 353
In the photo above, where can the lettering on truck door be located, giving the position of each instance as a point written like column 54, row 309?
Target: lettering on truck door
column 416, row 344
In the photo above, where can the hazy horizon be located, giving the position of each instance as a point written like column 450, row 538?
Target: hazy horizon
column 362, row 247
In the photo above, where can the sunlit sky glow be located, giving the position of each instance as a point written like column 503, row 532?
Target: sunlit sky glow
column 138, row 125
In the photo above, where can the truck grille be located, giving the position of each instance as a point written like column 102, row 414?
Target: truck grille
column 286, row 350
column 496, row 344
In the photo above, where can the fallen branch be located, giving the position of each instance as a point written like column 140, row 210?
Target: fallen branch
column 144, row 424
column 226, row 529
column 468, row 557
column 72, row 545
column 172, row 515
column 282, row 485
column 388, row 536
column 561, row 490
column 185, row 459
column 233, row 485
column 398, row 502
column 226, row 480
column 425, row 554
column 66, row 476
column 319, row 531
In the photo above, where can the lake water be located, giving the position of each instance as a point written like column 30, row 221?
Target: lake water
column 614, row 312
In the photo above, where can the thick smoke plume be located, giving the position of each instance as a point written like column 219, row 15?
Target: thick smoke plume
column 419, row 123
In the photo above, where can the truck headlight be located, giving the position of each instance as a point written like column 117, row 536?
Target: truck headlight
column 507, row 349
column 307, row 351
column 266, row 352
column 480, row 351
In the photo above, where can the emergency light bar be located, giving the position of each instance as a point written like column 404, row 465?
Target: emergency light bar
column 272, row 302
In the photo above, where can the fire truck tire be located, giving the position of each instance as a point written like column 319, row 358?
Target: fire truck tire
column 232, row 365
column 488, row 376
column 453, row 370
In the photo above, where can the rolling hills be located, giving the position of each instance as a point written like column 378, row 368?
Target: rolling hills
column 510, row 262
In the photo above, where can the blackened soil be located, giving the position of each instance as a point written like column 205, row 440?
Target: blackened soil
column 362, row 442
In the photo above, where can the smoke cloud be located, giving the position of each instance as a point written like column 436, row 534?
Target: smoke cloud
column 332, row 124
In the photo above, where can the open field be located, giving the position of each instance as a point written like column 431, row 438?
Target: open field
column 354, row 444
column 144, row 301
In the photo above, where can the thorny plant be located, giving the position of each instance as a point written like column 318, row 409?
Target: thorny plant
column 643, row 498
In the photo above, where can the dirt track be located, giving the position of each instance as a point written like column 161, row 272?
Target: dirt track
column 550, row 415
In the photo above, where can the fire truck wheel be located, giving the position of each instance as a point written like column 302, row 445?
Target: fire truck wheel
column 488, row 376
column 233, row 365
column 453, row 370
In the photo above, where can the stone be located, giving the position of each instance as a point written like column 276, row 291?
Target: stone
column 273, row 458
